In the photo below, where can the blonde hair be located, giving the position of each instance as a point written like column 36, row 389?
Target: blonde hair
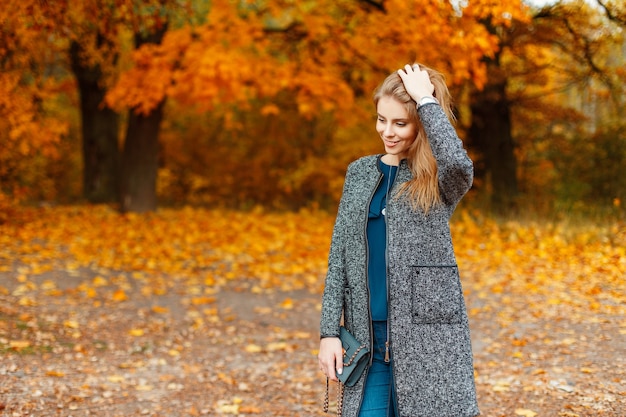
column 422, row 191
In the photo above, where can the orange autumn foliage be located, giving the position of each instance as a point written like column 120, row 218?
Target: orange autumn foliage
column 197, row 250
column 320, row 51
column 29, row 129
column 37, row 93
column 325, row 54
column 276, row 63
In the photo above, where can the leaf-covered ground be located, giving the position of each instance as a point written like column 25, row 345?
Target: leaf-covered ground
column 206, row 312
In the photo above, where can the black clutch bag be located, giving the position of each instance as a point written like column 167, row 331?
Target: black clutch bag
column 355, row 358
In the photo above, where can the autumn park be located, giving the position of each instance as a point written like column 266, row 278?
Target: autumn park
column 170, row 172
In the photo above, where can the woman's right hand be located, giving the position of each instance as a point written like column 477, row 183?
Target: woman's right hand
column 330, row 357
column 416, row 82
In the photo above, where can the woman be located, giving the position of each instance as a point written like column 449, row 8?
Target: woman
column 392, row 272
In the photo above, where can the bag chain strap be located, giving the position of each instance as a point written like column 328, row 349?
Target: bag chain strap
column 340, row 388
column 326, row 397
column 339, row 399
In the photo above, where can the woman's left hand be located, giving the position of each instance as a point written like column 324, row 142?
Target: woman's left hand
column 331, row 357
column 416, row 82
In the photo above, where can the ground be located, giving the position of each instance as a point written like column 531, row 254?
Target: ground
column 246, row 352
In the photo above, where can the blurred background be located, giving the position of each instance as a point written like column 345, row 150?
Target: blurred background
column 241, row 104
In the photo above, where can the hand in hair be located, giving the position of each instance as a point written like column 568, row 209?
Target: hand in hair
column 416, row 82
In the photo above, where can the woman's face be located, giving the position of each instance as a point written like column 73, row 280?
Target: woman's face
column 395, row 128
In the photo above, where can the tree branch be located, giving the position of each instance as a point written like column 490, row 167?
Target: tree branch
column 621, row 20
column 588, row 54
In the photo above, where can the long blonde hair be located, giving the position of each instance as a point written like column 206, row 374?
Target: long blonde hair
column 422, row 191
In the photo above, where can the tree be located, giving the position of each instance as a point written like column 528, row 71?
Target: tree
column 140, row 152
column 95, row 48
column 322, row 56
column 559, row 47
column 490, row 133
column 99, row 128
column 585, row 84
column 29, row 130
column 326, row 54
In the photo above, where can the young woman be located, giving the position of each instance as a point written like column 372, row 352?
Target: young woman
column 392, row 273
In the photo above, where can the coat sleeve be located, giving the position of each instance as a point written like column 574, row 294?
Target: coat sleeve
column 333, row 297
column 455, row 168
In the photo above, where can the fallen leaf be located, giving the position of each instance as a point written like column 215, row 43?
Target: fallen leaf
column 287, row 304
column 252, row 348
column 202, row 300
column 19, row 344
column 136, row 332
column 525, row 412
column 71, row 324
column 119, row 295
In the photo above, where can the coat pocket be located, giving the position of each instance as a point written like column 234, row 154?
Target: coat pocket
column 436, row 292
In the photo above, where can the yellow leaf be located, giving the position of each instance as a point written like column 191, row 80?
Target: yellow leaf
column 119, row 295
column 229, row 409
column 55, row 373
column 210, row 311
column 525, row 412
column 136, row 332
column 272, row 347
column 160, row 310
column 19, row 344
column 90, row 292
column 48, row 285
column 501, row 386
column 71, row 324
column 100, row 282
column 202, row 300
column 27, row 302
column 287, row 304
column 252, row 348
column 115, row 378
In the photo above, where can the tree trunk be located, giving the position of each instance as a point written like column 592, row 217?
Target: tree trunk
column 99, row 133
column 140, row 162
column 490, row 135
column 141, row 151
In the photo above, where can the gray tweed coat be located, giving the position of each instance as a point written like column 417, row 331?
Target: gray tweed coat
column 428, row 324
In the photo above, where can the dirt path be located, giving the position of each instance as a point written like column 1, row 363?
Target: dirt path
column 239, row 353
